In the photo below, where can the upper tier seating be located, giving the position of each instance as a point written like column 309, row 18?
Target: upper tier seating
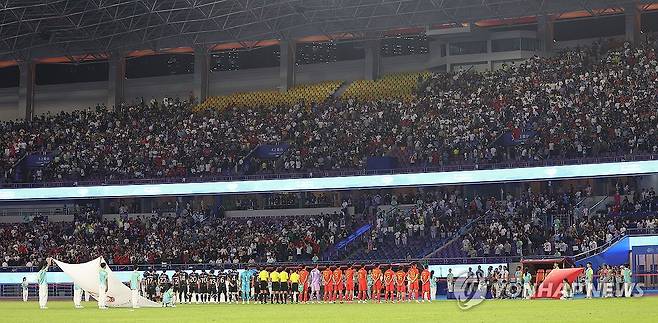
column 597, row 103
column 307, row 93
column 401, row 86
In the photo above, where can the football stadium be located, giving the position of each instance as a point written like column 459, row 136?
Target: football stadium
column 328, row 161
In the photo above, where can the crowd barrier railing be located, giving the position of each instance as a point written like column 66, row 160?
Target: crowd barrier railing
column 337, row 173
column 208, row 266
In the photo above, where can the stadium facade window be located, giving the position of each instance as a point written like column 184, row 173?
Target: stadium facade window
column 514, row 44
column 404, row 45
column 48, row 74
column 649, row 21
column 468, row 47
column 242, row 59
column 505, row 45
column 159, row 65
column 328, row 52
column 9, row 77
column 225, row 61
column 316, row 53
column 604, row 26
column 349, row 50
column 530, row 44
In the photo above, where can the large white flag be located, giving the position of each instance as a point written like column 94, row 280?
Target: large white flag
column 86, row 275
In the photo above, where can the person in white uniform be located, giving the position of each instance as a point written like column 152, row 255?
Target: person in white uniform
column 25, row 287
column 102, row 287
column 134, row 287
column 42, row 280
column 77, row 295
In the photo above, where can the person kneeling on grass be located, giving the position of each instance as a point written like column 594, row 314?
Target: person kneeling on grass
column 566, row 290
column 168, row 297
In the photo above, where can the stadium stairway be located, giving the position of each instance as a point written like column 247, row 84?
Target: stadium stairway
column 345, row 243
column 600, row 204
column 416, row 247
column 453, row 247
column 339, row 92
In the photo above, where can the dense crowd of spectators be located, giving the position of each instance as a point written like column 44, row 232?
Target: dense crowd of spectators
column 433, row 216
column 517, row 226
column 585, row 102
column 184, row 239
column 403, row 226
column 538, row 224
column 640, row 201
column 282, row 201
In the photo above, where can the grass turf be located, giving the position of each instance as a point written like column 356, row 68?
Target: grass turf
column 596, row 310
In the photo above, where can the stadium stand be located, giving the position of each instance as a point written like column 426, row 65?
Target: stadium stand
column 574, row 105
column 413, row 230
column 514, row 154
column 404, row 226
column 178, row 239
column 516, row 228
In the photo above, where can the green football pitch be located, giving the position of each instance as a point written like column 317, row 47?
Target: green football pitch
column 596, row 310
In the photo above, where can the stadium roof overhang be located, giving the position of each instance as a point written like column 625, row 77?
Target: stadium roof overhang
column 77, row 30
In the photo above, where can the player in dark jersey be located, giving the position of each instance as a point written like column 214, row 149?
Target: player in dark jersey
column 254, row 285
column 175, row 285
column 233, row 286
column 193, row 287
column 212, row 286
column 182, row 286
column 203, row 286
column 145, row 283
column 163, row 283
column 221, row 286
column 151, row 281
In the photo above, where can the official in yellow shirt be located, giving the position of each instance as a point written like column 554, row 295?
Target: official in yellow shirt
column 276, row 286
column 294, row 280
column 283, row 278
column 263, row 291
column 263, row 275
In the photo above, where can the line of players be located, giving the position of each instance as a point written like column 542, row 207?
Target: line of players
column 196, row 286
column 397, row 283
column 390, row 283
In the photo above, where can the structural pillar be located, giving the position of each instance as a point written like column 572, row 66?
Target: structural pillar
column 373, row 59
column 633, row 17
column 26, row 90
column 545, row 32
column 116, row 79
column 287, row 63
column 201, row 73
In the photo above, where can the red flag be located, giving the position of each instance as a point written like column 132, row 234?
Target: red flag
column 551, row 287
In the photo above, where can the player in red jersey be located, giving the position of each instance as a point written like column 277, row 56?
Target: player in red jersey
column 328, row 285
column 389, row 283
column 337, row 280
column 425, row 281
column 349, row 284
column 303, row 281
column 362, row 278
column 377, row 280
column 412, row 278
column 400, row 281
